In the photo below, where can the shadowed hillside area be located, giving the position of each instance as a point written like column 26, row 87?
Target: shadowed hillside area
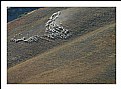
column 88, row 56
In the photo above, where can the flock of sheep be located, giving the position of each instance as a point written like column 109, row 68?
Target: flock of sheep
column 53, row 31
column 27, row 40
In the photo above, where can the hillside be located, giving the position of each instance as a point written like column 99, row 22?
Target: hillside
column 86, row 57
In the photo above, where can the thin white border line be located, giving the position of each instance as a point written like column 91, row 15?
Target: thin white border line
column 60, row 3
column 46, row 86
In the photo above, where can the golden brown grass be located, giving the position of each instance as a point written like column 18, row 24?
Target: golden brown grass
column 86, row 59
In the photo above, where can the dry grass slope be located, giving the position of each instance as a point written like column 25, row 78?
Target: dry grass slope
column 86, row 59
column 89, row 56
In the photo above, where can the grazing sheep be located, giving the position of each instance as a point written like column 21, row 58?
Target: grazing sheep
column 55, row 16
column 53, row 31
column 17, row 40
column 31, row 39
